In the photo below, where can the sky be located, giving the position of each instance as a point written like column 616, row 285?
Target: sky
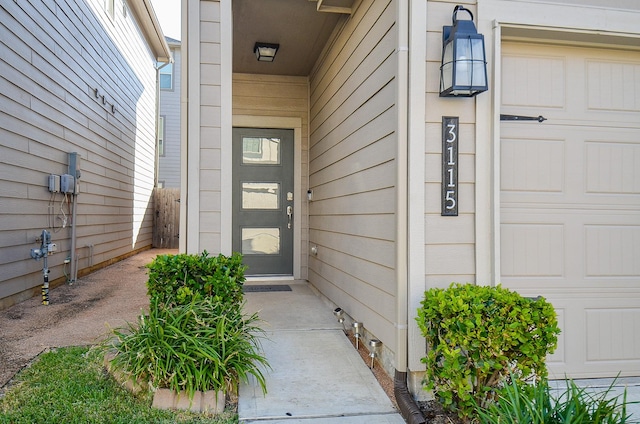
column 168, row 13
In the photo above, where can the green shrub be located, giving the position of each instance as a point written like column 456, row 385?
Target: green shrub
column 203, row 345
column 479, row 336
column 535, row 404
column 181, row 279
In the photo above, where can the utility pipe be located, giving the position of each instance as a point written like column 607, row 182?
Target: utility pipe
column 46, row 248
column 73, row 254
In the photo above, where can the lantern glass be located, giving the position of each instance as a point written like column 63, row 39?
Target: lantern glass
column 447, row 68
column 470, row 63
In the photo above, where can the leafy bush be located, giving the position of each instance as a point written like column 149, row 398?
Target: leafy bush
column 181, row 279
column 203, row 345
column 479, row 336
column 535, row 404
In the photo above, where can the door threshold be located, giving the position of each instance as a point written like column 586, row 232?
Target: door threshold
column 269, row 277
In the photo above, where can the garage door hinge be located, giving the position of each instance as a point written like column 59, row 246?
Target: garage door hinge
column 522, row 118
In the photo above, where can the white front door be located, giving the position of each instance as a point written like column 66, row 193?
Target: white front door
column 570, row 198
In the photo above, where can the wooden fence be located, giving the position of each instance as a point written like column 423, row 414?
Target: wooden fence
column 166, row 218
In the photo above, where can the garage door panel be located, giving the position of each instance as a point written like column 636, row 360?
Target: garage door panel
column 532, row 165
column 589, row 167
column 543, row 81
column 535, row 250
column 613, row 85
column 534, row 81
column 609, row 325
column 613, row 334
column 569, row 248
column 570, row 199
column 612, row 168
column 612, row 251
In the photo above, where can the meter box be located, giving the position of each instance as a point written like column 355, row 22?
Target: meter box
column 67, row 184
column 54, row 183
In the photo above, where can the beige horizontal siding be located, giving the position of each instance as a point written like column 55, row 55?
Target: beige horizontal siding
column 209, row 237
column 449, row 241
column 352, row 169
column 53, row 56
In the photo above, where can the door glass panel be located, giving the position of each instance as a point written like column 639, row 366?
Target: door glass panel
column 260, row 195
column 260, row 241
column 261, row 150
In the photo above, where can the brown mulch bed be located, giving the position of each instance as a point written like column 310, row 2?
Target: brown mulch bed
column 385, row 381
column 435, row 414
column 431, row 410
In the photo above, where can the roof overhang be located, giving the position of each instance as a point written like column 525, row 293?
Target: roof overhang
column 146, row 17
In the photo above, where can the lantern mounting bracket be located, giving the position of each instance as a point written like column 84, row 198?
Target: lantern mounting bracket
column 446, row 31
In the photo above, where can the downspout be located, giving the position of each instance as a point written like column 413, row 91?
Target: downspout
column 408, row 408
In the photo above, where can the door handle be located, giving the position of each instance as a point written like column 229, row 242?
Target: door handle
column 289, row 215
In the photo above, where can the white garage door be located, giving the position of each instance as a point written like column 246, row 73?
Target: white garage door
column 570, row 198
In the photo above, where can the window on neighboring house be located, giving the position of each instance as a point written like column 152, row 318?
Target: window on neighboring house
column 161, row 136
column 110, row 7
column 166, row 77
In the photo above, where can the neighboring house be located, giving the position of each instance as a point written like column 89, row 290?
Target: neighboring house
column 169, row 122
column 77, row 76
column 326, row 164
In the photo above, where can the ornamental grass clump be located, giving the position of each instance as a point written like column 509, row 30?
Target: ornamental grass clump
column 202, row 346
column 519, row 403
column 479, row 338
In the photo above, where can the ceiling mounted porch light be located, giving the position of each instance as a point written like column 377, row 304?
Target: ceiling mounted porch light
column 265, row 52
column 464, row 66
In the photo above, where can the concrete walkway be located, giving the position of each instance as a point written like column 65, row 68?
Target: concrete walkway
column 317, row 376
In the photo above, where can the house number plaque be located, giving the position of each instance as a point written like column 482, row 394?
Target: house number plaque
column 449, row 166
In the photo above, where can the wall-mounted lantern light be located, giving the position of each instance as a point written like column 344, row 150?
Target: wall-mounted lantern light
column 464, row 66
column 265, row 52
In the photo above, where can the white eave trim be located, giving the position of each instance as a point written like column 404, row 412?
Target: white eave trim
column 146, row 17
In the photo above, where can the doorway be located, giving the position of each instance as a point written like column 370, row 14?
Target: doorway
column 263, row 187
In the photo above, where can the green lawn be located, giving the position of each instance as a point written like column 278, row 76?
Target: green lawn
column 70, row 385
